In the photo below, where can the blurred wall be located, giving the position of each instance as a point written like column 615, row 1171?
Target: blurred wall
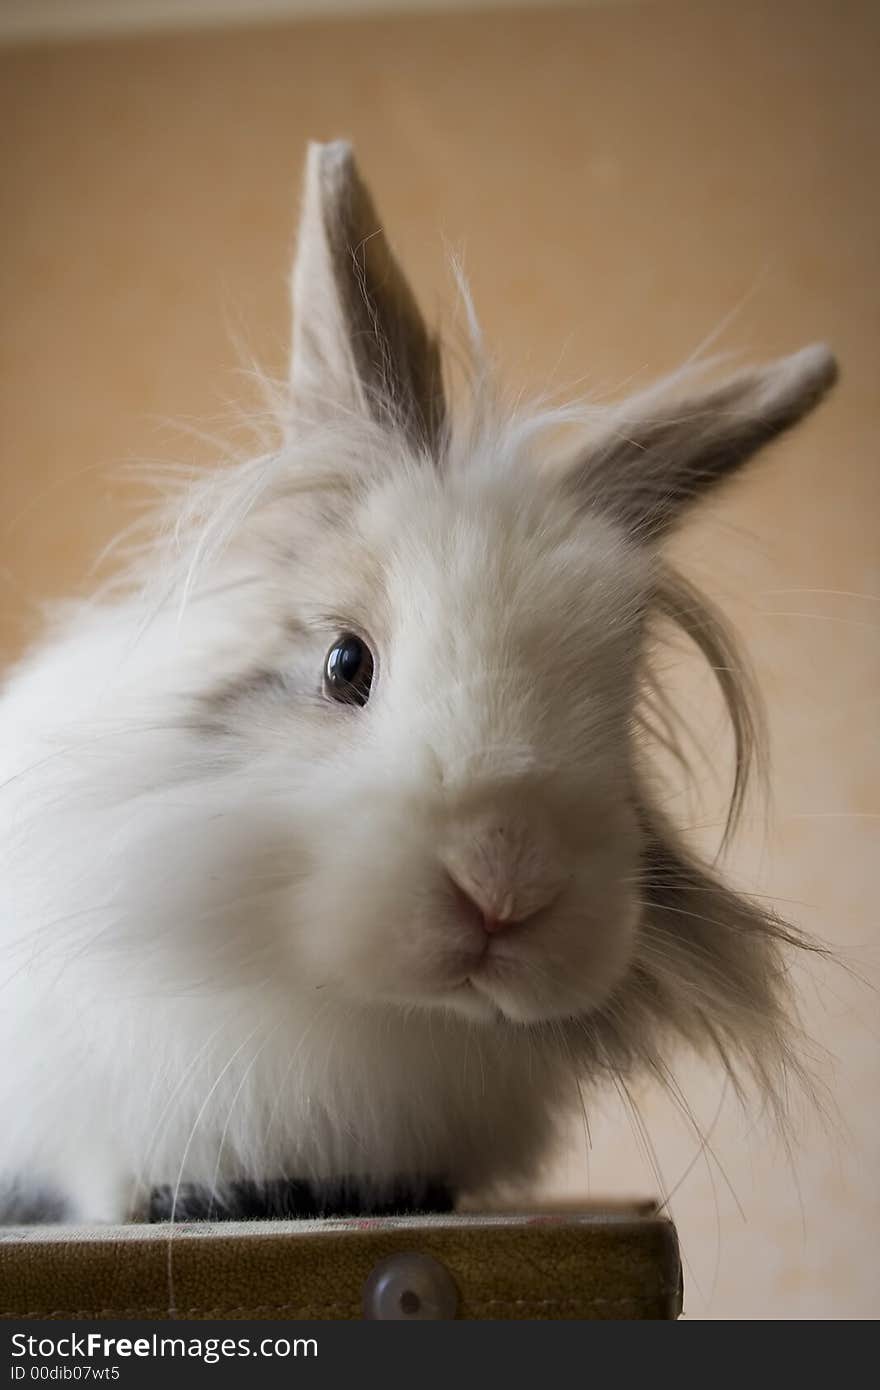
column 52, row 19
column 620, row 180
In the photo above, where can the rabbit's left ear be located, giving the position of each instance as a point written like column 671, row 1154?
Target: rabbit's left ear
column 359, row 341
column 660, row 453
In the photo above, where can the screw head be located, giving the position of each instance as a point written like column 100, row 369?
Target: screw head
column 410, row 1287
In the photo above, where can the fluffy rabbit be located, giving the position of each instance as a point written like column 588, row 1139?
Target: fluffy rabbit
column 328, row 849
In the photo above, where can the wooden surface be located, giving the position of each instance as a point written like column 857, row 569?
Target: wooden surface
column 595, row 1266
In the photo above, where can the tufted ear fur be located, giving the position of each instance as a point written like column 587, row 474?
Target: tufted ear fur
column 658, row 453
column 360, row 343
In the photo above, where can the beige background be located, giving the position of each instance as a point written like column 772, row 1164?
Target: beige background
column 620, row 179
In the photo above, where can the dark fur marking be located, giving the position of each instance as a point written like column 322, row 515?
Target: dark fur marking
column 30, row 1205
column 286, row 1199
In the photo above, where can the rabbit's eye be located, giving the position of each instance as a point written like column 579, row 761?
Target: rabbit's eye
column 348, row 671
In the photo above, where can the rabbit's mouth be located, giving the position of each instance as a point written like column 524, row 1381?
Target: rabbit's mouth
column 496, row 991
column 521, row 978
column 477, row 1003
column 500, row 986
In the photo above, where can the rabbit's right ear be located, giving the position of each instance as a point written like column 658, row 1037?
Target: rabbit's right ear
column 359, row 341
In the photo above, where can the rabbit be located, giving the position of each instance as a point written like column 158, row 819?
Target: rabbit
column 331, row 846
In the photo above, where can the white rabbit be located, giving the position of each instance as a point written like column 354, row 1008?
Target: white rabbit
column 328, row 849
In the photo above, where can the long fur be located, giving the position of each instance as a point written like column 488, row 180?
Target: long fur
column 229, row 945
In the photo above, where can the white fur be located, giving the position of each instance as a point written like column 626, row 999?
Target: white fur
column 175, row 902
column 229, row 942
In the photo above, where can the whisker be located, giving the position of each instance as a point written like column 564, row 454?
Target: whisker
column 172, row 1310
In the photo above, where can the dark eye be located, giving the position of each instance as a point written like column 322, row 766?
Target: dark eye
column 348, row 671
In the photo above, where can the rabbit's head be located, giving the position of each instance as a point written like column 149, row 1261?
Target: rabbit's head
column 460, row 641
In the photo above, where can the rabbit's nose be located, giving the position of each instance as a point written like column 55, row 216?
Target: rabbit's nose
column 494, row 906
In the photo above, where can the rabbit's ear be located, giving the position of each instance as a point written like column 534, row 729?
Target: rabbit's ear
column 359, row 341
column 658, row 454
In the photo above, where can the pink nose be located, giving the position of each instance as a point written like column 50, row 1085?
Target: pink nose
column 494, row 911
